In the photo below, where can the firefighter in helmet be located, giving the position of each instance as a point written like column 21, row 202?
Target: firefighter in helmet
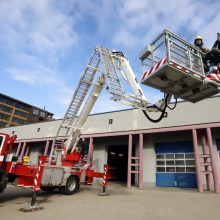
column 198, row 42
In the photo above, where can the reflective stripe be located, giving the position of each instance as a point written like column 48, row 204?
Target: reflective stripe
column 154, row 68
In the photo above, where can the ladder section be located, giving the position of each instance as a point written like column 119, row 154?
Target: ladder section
column 135, row 163
column 76, row 102
column 113, row 82
column 205, row 162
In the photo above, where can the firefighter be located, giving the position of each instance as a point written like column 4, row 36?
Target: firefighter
column 198, row 42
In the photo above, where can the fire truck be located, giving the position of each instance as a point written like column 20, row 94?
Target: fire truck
column 65, row 168
column 169, row 64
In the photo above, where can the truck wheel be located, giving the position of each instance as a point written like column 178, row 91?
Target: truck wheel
column 48, row 188
column 72, row 185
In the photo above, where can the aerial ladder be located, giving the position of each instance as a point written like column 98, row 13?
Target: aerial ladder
column 108, row 69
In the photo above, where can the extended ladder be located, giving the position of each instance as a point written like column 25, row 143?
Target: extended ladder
column 100, row 61
column 76, row 102
column 113, row 82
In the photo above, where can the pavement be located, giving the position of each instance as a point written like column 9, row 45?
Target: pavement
column 122, row 203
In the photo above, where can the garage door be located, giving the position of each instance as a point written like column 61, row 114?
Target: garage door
column 175, row 165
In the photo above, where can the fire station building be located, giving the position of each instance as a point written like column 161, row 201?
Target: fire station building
column 182, row 150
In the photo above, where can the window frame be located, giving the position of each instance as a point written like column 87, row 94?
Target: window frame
column 35, row 111
column 163, row 158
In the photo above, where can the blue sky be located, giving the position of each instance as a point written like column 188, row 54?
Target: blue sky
column 45, row 44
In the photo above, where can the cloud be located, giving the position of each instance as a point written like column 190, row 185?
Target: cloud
column 38, row 36
column 133, row 23
column 37, row 28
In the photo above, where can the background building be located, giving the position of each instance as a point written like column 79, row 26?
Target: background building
column 140, row 152
column 14, row 112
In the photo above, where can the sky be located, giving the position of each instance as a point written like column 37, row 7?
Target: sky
column 45, row 44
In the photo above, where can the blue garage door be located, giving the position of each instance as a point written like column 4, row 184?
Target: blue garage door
column 175, row 165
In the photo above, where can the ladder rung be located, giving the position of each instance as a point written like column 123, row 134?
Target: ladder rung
column 205, row 164
column 134, row 171
column 135, row 158
column 207, row 172
column 135, row 164
column 204, row 155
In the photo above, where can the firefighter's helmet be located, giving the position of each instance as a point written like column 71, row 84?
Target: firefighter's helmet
column 198, row 41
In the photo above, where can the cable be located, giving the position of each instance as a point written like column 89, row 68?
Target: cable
column 173, row 106
column 163, row 111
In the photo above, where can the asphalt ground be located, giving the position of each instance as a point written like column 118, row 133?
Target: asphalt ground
column 122, row 204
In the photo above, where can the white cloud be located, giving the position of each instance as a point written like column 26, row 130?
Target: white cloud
column 138, row 22
column 37, row 34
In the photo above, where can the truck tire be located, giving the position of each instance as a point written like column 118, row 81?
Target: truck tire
column 71, row 187
column 48, row 188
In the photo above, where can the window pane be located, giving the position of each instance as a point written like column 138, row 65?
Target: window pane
column 179, row 156
column 43, row 114
column 189, row 156
column 18, row 121
column 180, row 162
column 20, row 113
column 180, row 169
column 190, row 162
column 35, row 111
column 160, row 156
column 170, row 162
column 170, row 169
column 5, row 117
column 3, row 124
column 190, row 169
column 160, row 169
column 5, row 108
column 160, row 162
column 169, row 156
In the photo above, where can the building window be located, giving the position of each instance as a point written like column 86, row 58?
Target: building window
column 3, row 124
column 175, row 163
column 18, row 121
column 14, row 103
column 42, row 114
column 21, row 106
column 20, row 113
column 35, row 111
column 4, row 117
column 5, row 108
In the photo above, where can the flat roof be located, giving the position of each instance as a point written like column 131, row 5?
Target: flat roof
column 29, row 105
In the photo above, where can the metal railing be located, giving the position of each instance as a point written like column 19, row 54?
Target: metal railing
column 176, row 49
